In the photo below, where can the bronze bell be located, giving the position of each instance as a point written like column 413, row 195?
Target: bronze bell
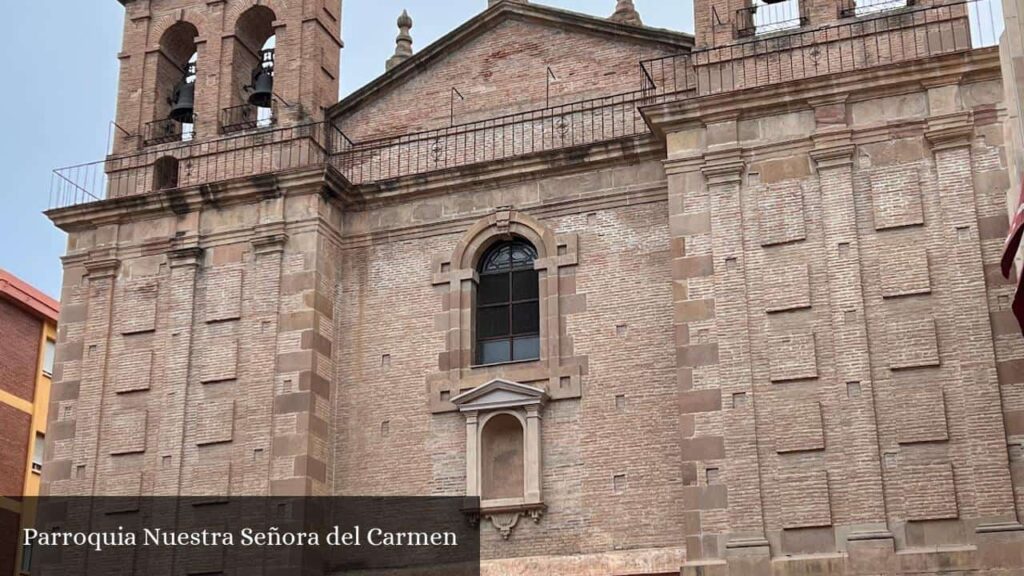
column 183, row 102
column 262, row 89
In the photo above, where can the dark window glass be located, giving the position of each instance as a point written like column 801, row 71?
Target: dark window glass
column 508, row 305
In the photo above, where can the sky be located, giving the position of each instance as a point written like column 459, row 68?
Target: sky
column 60, row 91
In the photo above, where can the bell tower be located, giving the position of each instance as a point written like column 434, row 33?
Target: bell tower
column 201, row 69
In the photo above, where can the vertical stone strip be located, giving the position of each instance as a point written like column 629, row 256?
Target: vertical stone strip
column 852, row 393
column 177, row 340
column 689, row 230
column 303, row 374
column 950, row 135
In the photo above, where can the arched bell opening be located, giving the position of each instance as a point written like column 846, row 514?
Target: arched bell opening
column 502, row 457
column 175, row 93
column 165, row 173
column 252, row 102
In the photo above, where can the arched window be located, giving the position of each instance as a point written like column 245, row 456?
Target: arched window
column 252, row 54
column 508, row 306
column 174, row 104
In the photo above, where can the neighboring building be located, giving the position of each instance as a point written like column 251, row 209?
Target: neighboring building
column 722, row 303
column 28, row 335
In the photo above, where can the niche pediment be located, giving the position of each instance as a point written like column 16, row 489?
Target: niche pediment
column 499, row 394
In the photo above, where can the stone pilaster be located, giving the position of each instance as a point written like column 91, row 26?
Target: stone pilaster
column 850, row 398
column 950, row 136
column 183, row 263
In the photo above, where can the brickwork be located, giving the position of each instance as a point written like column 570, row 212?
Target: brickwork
column 503, row 69
column 773, row 337
column 19, row 351
column 14, row 451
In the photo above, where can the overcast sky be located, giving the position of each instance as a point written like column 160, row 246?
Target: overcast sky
column 61, row 82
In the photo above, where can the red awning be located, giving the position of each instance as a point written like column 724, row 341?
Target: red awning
column 1010, row 248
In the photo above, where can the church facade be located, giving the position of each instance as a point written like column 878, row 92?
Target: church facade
column 721, row 303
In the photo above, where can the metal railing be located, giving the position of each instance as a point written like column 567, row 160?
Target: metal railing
column 167, row 130
column 855, row 8
column 553, row 128
column 880, row 39
column 760, row 18
column 247, row 117
column 884, row 38
column 206, row 162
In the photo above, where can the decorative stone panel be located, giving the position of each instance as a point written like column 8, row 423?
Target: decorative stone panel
column 781, row 213
column 126, row 432
column 136, row 312
column 913, row 343
column 792, row 357
column 804, row 499
column 122, row 491
column 787, row 287
column 929, row 492
column 223, row 294
column 798, row 425
column 920, row 414
column 134, row 371
column 903, row 270
column 214, row 422
column 896, row 196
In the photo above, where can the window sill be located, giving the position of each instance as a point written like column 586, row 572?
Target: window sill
column 473, row 366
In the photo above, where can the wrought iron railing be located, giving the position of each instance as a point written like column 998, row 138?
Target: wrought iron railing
column 247, row 117
column 884, row 38
column 867, row 42
column 855, row 8
column 557, row 127
column 761, row 18
column 210, row 161
column 166, row 131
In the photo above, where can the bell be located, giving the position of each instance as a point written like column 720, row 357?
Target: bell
column 262, row 93
column 183, row 102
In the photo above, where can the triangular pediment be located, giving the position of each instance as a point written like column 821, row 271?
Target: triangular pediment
column 495, row 49
column 499, row 393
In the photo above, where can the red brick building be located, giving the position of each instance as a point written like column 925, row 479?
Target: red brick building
column 727, row 303
column 28, row 333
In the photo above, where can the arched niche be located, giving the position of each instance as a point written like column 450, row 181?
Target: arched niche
column 502, row 456
column 503, row 451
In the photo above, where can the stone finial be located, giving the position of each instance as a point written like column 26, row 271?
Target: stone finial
column 625, row 13
column 403, row 42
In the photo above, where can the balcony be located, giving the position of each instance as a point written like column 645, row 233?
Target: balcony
column 761, row 18
column 247, row 117
column 166, row 131
column 882, row 38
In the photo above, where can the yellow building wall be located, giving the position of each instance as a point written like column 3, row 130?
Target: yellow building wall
column 39, row 409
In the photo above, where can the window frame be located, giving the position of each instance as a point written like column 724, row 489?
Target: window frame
column 511, row 303
column 49, row 357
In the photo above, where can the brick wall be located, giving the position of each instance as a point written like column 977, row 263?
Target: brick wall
column 503, row 71
column 19, row 350
column 14, row 442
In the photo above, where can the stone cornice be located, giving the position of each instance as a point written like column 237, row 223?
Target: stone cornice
column 243, row 190
column 950, row 131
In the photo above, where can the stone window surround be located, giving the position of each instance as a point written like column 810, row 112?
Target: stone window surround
column 558, row 374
